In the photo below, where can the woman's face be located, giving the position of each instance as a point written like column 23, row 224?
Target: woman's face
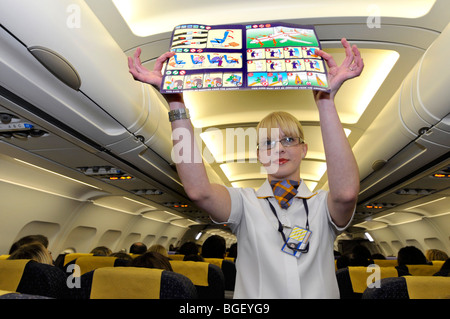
column 282, row 162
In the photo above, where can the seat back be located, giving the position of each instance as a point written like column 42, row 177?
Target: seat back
column 361, row 277
column 89, row 263
column 133, row 283
column 385, row 262
column 33, row 278
column 423, row 270
column 353, row 281
column 207, row 278
column 229, row 271
column 411, row 287
column 389, row 288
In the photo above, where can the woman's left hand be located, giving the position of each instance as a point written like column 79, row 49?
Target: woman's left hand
column 351, row 67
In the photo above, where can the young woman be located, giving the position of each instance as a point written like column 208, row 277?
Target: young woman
column 268, row 266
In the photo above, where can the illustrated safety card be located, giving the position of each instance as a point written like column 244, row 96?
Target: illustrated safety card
column 231, row 57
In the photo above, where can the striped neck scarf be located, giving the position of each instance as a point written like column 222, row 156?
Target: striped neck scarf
column 284, row 192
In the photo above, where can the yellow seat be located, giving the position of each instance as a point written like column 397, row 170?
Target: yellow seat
column 134, row 283
column 423, row 270
column 126, row 283
column 438, row 262
column 196, row 271
column 428, row 287
column 11, row 272
column 214, row 261
column 208, row 278
column 27, row 276
column 385, row 262
column 71, row 257
column 89, row 263
column 360, row 277
column 176, row 257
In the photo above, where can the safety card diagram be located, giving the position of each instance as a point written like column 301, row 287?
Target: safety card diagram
column 234, row 57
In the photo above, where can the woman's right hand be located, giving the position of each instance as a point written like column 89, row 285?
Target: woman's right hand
column 141, row 73
column 154, row 77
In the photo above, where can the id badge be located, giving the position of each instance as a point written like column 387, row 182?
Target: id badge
column 298, row 239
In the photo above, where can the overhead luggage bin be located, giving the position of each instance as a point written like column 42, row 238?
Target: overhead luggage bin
column 108, row 105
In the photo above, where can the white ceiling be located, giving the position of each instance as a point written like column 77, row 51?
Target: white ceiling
column 392, row 36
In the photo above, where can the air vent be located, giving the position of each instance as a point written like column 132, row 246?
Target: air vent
column 105, row 172
column 13, row 127
column 148, row 192
column 414, row 191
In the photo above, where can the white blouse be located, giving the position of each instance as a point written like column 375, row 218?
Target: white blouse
column 263, row 270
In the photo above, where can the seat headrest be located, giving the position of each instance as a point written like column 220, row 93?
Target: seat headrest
column 428, row 287
column 359, row 276
column 89, row 263
column 11, row 272
column 196, row 271
column 126, row 283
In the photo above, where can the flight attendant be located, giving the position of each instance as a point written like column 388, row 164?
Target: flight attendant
column 275, row 261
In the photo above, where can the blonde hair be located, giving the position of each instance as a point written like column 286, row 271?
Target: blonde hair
column 159, row 249
column 34, row 251
column 435, row 254
column 285, row 121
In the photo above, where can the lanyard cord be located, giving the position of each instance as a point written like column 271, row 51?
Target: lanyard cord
column 280, row 226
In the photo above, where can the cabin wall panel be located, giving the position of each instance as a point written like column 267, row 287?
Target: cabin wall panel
column 22, row 206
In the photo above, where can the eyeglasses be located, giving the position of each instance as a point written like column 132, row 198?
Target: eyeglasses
column 285, row 141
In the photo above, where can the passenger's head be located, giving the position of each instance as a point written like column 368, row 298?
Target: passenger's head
column 436, row 254
column 101, row 251
column 214, row 247
column 34, row 251
column 152, row 259
column 159, row 249
column 361, row 256
column 27, row 240
column 188, row 248
column 138, row 248
column 410, row 255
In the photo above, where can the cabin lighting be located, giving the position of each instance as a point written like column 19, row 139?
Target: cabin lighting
column 368, row 237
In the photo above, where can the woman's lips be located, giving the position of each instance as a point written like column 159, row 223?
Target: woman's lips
column 281, row 161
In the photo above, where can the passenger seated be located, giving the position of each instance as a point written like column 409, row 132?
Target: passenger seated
column 409, row 255
column 27, row 240
column 445, row 269
column 214, row 247
column 101, row 251
column 360, row 256
column 138, row 248
column 122, row 255
column 435, row 254
column 159, row 249
column 152, row 259
column 34, row 251
column 188, row 248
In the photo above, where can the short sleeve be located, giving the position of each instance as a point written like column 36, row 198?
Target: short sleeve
column 237, row 208
column 336, row 228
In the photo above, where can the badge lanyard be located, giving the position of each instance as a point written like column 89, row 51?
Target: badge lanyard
column 280, row 227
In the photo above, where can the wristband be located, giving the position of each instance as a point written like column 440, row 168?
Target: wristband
column 178, row 114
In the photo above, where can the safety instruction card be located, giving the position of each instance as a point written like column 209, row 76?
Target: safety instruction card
column 233, row 57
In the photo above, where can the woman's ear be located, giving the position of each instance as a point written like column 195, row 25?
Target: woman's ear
column 305, row 150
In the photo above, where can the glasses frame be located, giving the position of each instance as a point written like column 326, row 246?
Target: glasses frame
column 281, row 141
